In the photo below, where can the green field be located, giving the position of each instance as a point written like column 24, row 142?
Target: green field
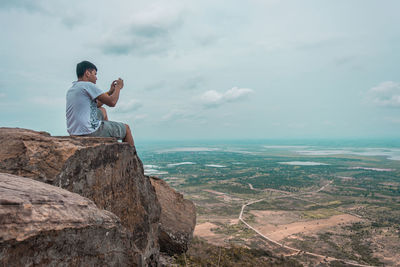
column 317, row 184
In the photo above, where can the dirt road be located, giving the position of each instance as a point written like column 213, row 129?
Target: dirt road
column 295, row 250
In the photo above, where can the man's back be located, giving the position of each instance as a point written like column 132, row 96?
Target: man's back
column 84, row 113
column 81, row 108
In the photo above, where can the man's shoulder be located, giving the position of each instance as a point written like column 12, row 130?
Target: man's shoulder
column 82, row 85
column 88, row 88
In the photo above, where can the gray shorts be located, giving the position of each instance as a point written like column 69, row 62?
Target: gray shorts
column 110, row 129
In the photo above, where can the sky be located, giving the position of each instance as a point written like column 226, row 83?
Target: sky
column 256, row 69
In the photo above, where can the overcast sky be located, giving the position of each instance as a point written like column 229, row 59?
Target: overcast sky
column 209, row 69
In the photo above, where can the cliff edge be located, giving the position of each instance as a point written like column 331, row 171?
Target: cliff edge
column 178, row 218
column 100, row 169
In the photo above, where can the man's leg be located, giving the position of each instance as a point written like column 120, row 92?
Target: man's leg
column 114, row 129
column 128, row 137
column 104, row 112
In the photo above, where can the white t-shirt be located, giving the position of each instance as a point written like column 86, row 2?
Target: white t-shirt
column 81, row 110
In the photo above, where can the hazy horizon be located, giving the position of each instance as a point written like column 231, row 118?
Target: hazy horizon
column 209, row 70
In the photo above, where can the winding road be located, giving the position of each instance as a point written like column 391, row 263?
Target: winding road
column 296, row 251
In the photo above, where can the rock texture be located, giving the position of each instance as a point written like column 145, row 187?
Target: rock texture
column 47, row 226
column 178, row 218
column 38, row 155
column 111, row 175
column 101, row 169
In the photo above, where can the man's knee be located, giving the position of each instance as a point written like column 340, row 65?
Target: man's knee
column 128, row 130
column 128, row 137
column 104, row 112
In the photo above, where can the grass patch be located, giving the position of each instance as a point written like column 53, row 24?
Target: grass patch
column 237, row 230
column 202, row 253
column 319, row 214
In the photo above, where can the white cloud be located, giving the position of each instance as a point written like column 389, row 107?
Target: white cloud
column 386, row 94
column 146, row 33
column 213, row 98
column 2, row 95
column 236, row 93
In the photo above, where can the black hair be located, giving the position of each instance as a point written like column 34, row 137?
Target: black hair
column 83, row 66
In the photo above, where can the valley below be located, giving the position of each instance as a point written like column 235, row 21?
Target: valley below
column 317, row 206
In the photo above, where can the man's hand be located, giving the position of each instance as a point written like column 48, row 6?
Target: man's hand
column 119, row 83
column 112, row 88
column 111, row 97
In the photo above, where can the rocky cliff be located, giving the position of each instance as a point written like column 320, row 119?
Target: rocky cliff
column 178, row 218
column 101, row 169
column 42, row 225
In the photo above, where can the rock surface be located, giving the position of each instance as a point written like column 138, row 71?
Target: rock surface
column 111, row 175
column 45, row 225
column 37, row 154
column 101, row 169
column 178, row 218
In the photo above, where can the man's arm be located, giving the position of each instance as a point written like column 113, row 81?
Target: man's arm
column 111, row 99
column 99, row 103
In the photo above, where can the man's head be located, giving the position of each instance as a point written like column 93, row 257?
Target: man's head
column 86, row 71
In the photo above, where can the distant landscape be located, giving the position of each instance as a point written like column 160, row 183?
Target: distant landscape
column 333, row 203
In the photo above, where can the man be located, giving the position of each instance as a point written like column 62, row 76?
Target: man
column 85, row 116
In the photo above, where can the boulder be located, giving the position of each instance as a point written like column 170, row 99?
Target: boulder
column 38, row 155
column 101, row 169
column 178, row 218
column 111, row 175
column 44, row 225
